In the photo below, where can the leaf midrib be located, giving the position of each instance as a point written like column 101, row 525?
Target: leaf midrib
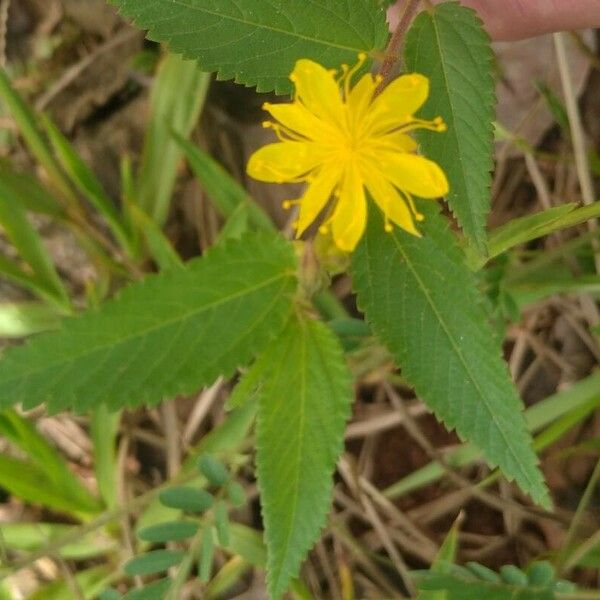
column 151, row 330
column 462, row 359
column 298, row 458
column 268, row 28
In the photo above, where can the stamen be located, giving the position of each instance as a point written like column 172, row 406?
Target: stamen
column 288, row 204
column 342, row 80
column 325, row 227
column 411, row 203
column 387, row 226
column 440, row 124
column 283, row 133
column 436, row 124
column 349, row 73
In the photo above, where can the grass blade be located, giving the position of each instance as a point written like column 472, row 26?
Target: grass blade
column 177, row 100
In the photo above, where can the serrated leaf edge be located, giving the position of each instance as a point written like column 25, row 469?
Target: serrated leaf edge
column 543, row 499
column 178, row 386
column 286, row 575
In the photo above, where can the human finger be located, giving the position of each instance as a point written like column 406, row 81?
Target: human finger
column 520, row 19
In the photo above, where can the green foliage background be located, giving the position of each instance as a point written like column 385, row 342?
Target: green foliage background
column 248, row 302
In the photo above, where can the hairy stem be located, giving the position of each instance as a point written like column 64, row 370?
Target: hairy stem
column 392, row 53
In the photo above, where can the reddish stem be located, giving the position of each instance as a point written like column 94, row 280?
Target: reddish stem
column 392, row 53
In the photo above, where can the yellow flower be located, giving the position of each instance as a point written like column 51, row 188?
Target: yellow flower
column 345, row 140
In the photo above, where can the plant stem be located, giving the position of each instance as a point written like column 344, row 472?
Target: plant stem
column 392, row 54
column 106, row 517
column 576, row 521
column 186, row 566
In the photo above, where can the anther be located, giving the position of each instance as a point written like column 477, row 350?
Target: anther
column 388, row 228
column 287, row 204
column 439, row 124
column 419, row 216
column 323, row 230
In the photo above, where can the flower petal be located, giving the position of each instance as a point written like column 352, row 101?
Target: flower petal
column 391, row 203
column 404, row 96
column 398, row 102
column 318, row 90
column 361, row 95
column 398, row 142
column 298, row 118
column 350, row 217
column 414, row 174
column 284, row 161
column 316, row 197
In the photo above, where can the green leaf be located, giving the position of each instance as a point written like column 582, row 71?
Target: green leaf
column 207, row 555
column 26, row 318
column 86, row 182
column 158, row 244
column 531, row 227
column 187, row 498
column 304, row 403
column 226, row 578
column 26, row 121
column 154, row 591
column 421, row 300
column 247, row 388
column 167, row 335
column 443, row 560
column 222, row 523
column 44, row 462
column 231, row 433
column 257, row 42
column 463, row 587
column 5, row 593
column 90, row 583
column 580, row 399
column 213, row 470
column 247, row 543
column 31, row 194
column 236, row 494
column 173, row 531
column 27, row 241
column 227, row 195
column 31, row 483
column 156, row 561
column 178, row 96
column 14, row 273
column 104, row 428
column 449, row 45
column 28, row 537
